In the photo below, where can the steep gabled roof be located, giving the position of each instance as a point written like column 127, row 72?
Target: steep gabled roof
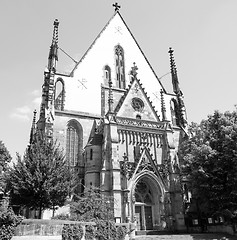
column 96, row 136
column 118, row 13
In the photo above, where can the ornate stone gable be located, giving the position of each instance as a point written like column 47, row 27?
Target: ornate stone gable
column 135, row 104
column 145, row 162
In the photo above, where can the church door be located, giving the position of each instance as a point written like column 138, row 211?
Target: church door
column 138, row 217
column 148, row 217
column 143, row 206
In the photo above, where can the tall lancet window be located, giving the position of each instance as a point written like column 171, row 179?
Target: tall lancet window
column 59, row 95
column 74, row 143
column 120, row 71
column 107, row 75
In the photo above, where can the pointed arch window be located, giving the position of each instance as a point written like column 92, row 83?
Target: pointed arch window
column 74, row 143
column 107, row 75
column 120, row 71
column 59, row 95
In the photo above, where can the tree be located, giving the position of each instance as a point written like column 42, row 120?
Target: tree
column 42, row 179
column 209, row 160
column 5, row 158
column 92, row 206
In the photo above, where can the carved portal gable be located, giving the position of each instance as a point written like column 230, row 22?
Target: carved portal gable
column 144, row 163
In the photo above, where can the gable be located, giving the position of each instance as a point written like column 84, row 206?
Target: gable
column 136, row 104
column 84, row 84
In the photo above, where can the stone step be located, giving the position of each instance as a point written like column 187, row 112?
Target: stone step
column 207, row 236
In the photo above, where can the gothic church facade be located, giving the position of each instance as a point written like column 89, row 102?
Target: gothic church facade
column 112, row 133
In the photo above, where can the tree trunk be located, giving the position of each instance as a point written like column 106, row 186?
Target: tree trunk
column 53, row 211
column 40, row 211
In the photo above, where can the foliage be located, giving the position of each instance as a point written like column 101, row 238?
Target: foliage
column 62, row 216
column 8, row 223
column 42, row 178
column 210, row 162
column 121, row 232
column 108, row 230
column 92, row 206
column 72, row 232
column 5, row 158
column 90, row 232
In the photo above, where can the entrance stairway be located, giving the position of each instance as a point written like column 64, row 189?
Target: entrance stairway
column 199, row 236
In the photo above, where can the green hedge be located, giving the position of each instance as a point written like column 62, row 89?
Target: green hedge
column 103, row 230
column 8, row 223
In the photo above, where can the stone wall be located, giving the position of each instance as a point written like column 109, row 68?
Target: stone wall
column 39, row 227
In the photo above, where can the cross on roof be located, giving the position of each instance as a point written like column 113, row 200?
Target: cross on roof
column 116, row 7
column 134, row 69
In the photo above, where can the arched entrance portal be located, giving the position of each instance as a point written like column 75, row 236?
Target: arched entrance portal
column 148, row 204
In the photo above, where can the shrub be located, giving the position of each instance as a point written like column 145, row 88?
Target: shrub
column 72, row 232
column 8, row 223
column 90, row 232
column 62, row 216
column 106, row 230
column 121, row 232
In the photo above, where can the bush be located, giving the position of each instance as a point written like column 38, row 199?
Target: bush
column 62, row 216
column 8, row 223
column 121, row 232
column 90, row 232
column 72, row 232
column 108, row 230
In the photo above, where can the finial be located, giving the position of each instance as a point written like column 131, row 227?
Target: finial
column 53, row 52
column 116, row 7
column 172, row 62
column 55, row 32
column 32, row 132
column 110, row 97
column 163, row 109
column 174, row 75
column 134, row 70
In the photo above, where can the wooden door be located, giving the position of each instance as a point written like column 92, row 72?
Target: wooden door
column 138, row 216
column 148, row 218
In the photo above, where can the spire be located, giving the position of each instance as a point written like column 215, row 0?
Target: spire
column 33, row 128
column 174, row 75
column 163, row 109
column 116, row 7
column 53, row 52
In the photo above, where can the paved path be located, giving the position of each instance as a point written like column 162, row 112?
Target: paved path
column 188, row 237
column 148, row 237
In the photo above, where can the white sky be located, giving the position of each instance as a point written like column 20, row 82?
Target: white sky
column 203, row 34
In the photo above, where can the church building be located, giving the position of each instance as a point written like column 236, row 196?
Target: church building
column 120, row 129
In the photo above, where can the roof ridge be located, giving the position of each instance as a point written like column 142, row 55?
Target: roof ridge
column 92, row 44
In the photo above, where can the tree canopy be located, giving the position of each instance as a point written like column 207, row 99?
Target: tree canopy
column 41, row 179
column 5, row 158
column 92, row 205
column 209, row 160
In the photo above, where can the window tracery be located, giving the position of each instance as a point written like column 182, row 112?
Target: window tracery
column 74, row 143
column 120, row 71
column 107, row 75
column 59, row 95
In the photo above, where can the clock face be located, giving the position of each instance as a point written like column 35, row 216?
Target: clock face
column 137, row 104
